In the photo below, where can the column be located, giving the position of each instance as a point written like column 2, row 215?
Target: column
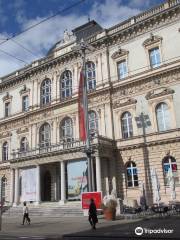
column 16, row 195
column 12, row 187
column 98, row 174
column 113, row 172
column 38, row 185
column 63, row 187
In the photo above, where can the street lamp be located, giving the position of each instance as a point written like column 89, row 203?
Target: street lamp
column 1, row 200
column 82, row 48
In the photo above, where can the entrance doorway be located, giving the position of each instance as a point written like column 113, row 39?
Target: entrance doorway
column 47, row 186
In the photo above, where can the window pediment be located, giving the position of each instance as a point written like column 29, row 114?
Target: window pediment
column 159, row 93
column 119, row 53
column 24, row 90
column 7, row 97
column 124, row 102
column 5, row 134
column 152, row 40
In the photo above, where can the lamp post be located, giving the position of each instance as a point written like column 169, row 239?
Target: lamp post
column 1, row 200
column 82, row 48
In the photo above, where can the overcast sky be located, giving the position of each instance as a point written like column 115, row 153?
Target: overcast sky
column 17, row 15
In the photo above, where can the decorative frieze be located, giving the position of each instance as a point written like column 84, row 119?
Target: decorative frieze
column 124, row 102
column 159, row 93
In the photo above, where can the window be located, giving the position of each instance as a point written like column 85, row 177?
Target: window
column 169, row 164
column 66, row 129
column 90, row 75
column 46, row 92
column 132, row 175
column 7, row 109
column 45, row 135
column 163, row 117
column 66, row 84
column 93, row 122
column 126, row 125
column 122, row 69
column 4, row 188
column 5, row 152
column 24, row 144
column 154, row 55
column 25, row 103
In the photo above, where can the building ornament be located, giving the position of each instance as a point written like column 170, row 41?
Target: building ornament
column 159, row 93
column 120, row 53
column 5, row 134
column 22, row 130
column 124, row 102
column 153, row 39
column 7, row 97
column 24, row 90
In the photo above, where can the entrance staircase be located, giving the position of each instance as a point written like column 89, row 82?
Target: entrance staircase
column 49, row 209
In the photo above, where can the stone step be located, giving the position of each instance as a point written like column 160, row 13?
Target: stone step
column 47, row 210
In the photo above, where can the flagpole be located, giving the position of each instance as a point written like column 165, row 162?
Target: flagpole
column 82, row 48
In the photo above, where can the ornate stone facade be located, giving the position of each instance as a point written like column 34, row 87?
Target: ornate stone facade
column 137, row 116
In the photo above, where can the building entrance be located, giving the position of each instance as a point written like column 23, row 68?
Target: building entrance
column 47, row 187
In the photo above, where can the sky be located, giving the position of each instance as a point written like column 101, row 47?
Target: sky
column 18, row 15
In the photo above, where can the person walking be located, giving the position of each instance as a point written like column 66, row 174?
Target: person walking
column 26, row 214
column 93, row 214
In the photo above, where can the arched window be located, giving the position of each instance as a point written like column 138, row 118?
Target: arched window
column 169, row 164
column 66, row 84
column 163, row 117
column 93, row 122
column 45, row 135
column 91, row 75
column 4, row 188
column 46, row 92
column 5, row 151
column 132, row 175
column 126, row 125
column 66, row 129
column 24, row 144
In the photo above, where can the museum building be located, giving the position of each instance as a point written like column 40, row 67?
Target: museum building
column 133, row 81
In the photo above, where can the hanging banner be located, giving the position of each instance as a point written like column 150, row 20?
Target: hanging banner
column 77, row 179
column 28, row 184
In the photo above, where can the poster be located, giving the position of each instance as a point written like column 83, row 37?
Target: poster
column 28, row 184
column 77, row 179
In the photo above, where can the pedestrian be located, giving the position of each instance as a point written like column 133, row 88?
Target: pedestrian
column 26, row 214
column 93, row 214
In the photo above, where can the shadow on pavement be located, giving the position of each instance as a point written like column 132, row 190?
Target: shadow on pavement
column 165, row 228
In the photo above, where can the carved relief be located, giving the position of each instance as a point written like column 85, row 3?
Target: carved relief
column 5, row 134
column 7, row 97
column 24, row 90
column 119, row 53
column 152, row 40
column 22, row 130
column 158, row 93
column 124, row 102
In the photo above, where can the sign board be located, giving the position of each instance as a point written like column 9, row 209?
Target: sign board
column 86, row 197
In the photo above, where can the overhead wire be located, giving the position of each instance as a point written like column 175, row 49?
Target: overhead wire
column 31, row 27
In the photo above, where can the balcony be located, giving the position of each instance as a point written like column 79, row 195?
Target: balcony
column 61, row 148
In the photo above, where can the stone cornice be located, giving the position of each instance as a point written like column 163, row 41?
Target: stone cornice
column 150, row 143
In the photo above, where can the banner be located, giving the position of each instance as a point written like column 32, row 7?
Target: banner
column 28, row 184
column 81, row 108
column 77, row 179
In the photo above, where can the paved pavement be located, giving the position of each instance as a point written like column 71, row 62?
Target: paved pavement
column 71, row 228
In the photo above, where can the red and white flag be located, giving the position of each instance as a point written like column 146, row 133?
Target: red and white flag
column 81, row 108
